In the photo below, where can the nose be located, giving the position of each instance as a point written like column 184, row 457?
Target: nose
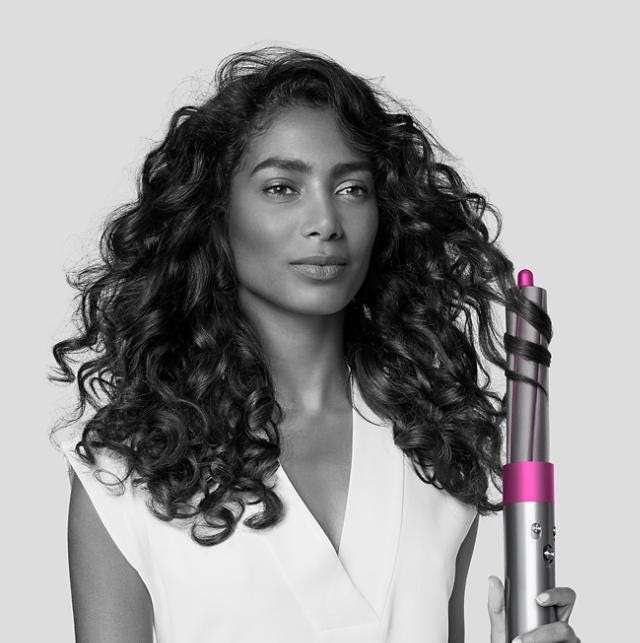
column 323, row 218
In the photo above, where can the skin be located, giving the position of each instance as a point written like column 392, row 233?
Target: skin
column 300, row 321
column 563, row 597
column 110, row 601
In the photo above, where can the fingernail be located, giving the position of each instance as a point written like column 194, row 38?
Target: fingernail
column 542, row 598
column 517, row 640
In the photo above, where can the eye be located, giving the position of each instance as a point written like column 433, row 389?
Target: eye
column 278, row 186
column 363, row 191
column 277, row 190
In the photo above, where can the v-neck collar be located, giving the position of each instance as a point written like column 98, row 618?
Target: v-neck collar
column 348, row 588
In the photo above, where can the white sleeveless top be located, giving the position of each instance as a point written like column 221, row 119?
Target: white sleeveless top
column 390, row 581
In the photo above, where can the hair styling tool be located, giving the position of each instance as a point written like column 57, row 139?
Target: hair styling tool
column 528, row 484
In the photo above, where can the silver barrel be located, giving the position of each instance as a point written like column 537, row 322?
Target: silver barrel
column 529, row 526
column 528, row 418
column 530, row 566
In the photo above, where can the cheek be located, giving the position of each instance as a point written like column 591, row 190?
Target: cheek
column 366, row 233
column 255, row 250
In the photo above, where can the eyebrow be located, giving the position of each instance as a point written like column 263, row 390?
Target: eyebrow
column 296, row 165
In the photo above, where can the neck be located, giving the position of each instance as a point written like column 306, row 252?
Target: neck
column 305, row 354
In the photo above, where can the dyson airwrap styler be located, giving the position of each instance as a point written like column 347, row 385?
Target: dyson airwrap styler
column 528, row 481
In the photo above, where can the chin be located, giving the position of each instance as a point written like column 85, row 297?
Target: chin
column 322, row 306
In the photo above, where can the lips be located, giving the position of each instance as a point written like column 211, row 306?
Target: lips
column 321, row 260
column 319, row 272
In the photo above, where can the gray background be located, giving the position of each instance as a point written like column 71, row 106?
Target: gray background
column 539, row 104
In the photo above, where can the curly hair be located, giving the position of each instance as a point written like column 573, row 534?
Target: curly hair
column 190, row 405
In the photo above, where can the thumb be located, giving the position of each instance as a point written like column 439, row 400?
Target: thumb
column 495, row 605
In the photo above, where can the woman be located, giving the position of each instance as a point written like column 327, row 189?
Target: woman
column 282, row 327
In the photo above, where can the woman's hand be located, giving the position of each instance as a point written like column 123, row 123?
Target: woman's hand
column 560, row 631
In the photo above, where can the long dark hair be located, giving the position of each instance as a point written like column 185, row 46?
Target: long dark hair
column 190, row 405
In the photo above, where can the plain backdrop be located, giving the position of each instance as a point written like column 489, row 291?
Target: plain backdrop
column 537, row 101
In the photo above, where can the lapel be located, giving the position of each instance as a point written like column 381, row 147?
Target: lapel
column 349, row 588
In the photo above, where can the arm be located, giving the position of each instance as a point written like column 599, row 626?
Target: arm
column 111, row 604
column 456, row 601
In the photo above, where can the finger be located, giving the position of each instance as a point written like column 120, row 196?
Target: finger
column 563, row 597
column 558, row 632
column 496, row 595
column 495, row 605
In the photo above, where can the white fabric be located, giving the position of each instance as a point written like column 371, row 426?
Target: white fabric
column 389, row 583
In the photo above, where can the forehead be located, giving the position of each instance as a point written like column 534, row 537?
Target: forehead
column 301, row 131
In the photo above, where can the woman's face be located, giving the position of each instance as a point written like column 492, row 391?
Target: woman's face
column 300, row 190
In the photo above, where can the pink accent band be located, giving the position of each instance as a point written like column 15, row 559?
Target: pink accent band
column 525, row 278
column 527, row 481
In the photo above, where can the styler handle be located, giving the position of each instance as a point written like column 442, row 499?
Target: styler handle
column 530, row 553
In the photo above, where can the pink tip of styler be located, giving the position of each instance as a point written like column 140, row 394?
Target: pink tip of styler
column 525, row 278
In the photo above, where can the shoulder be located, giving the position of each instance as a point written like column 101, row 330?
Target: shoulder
column 105, row 489
column 110, row 600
